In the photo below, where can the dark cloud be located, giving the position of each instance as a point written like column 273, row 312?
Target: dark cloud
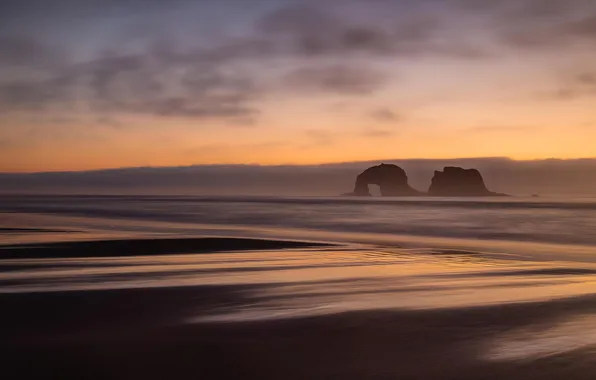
column 432, row 28
column 324, row 31
column 338, row 79
column 384, row 114
column 561, row 33
column 576, row 86
column 172, row 87
column 300, row 19
column 157, row 77
column 538, row 23
column 330, row 48
column 24, row 95
column 142, row 84
column 587, row 79
column 174, row 75
column 316, row 31
column 18, row 51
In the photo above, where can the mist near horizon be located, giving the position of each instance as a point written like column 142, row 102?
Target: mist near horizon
column 523, row 178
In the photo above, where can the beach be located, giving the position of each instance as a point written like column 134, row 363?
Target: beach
column 98, row 296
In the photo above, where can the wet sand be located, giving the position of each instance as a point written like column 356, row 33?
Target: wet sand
column 6, row 230
column 145, row 247
column 299, row 311
column 134, row 334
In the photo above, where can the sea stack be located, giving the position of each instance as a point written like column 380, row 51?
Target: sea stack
column 459, row 182
column 391, row 179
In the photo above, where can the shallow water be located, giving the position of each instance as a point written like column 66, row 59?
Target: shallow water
column 548, row 229
column 440, row 247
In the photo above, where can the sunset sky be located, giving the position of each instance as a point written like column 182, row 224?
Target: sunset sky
column 87, row 84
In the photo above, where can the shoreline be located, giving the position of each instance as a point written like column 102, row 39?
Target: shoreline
column 147, row 247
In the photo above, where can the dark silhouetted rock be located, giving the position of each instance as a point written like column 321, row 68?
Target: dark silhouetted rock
column 391, row 179
column 458, row 182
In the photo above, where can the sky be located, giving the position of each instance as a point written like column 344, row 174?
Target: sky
column 90, row 84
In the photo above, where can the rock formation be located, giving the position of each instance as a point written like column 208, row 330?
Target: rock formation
column 451, row 182
column 458, row 182
column 391, row 179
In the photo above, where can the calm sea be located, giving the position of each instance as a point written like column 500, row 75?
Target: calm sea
column 554, row 226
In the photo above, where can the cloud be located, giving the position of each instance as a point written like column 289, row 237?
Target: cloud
column 541, row 24
column 384, row 114
column 575, row 86
column 426, row 28
column 312, row 30
column 177, row 75
column 20, row 50
column 141, row 84
column 331, row 47
column 24, row 95
column 157, row 77
column 326, row 31
column 339, row 79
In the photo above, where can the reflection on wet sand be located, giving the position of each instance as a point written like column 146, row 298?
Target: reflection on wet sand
column 572, row 334
column 348, row 311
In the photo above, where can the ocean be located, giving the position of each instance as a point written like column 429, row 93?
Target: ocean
column 500, row 287
column 476, row 221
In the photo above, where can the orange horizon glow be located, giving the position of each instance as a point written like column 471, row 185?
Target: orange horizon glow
column 98, row 163
column 434, row 102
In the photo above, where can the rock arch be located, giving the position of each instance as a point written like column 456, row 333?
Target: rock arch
column 391, row 179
